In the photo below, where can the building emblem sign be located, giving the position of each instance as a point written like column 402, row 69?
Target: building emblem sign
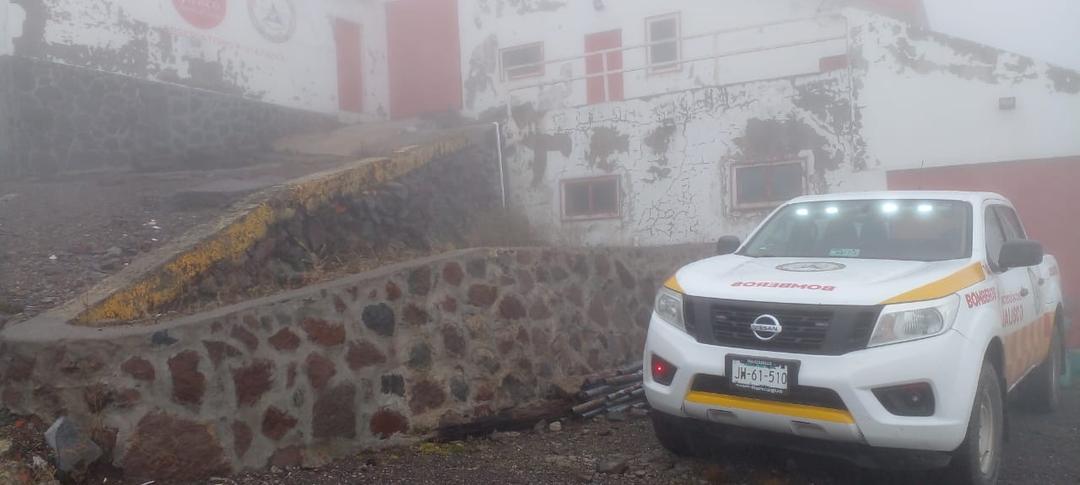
column 274, row 19
column 204, row 14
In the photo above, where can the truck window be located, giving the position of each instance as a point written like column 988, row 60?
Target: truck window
column 914, row 230
column 1010, row 223
column 995, row 237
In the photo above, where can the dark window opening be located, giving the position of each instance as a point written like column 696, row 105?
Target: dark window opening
column 768, row 185
column 591, row 198
column 1002, row 225
column 1011, row 223
column 995, row 238
column 663, row 40
column 523, row 61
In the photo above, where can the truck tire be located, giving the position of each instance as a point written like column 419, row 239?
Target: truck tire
column 674, row 435
column 1044, row 390
column 978, row 459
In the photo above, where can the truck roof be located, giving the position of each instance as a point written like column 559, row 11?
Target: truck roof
column 975, row 198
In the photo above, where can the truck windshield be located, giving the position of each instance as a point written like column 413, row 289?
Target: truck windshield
column 915, row 230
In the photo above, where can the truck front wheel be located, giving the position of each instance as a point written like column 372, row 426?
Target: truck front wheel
column 978, row 459
column 675, row 435
column 1044, row 389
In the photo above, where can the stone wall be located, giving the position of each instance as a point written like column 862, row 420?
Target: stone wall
column 431, row 209
column 61, row 118
column 314, row 373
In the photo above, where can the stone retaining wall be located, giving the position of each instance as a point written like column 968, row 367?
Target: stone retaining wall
column 310, row 374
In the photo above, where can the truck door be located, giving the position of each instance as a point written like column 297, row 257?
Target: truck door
column 1018, row 293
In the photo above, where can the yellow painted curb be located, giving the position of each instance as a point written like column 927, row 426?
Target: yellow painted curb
column 165, row 282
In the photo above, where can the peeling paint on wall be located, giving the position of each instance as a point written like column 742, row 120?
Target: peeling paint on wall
column 660, row 142
column 671, row 153
column 149, row 40
column 604, row 143
column 541, row 144
column 525, row 7
column 481, row 73
column 1064, row 80
column 925, row 99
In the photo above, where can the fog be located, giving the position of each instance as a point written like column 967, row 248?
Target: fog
column 539, row 241
column 1044, row 29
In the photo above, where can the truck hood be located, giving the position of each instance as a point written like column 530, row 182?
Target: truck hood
column 826, row 281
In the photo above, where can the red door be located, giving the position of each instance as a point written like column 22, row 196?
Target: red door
column 1044, row 193
column 598, row 90
column 424, row 57
column 350, row 72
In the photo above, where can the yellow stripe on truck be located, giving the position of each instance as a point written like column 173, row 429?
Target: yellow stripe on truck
column 970, row 275
column 771, row 407
column 673, row 284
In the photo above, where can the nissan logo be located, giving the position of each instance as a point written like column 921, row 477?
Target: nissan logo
column 766, row 327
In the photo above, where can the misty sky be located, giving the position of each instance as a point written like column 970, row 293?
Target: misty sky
column 1045, row 29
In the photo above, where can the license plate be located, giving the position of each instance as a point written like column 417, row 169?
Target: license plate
column 761, row 375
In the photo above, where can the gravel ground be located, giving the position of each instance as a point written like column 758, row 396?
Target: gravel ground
column 60, row 236
column 1042, row 450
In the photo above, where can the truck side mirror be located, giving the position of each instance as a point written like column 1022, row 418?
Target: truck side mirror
column 727, row 245
column 1019, row 254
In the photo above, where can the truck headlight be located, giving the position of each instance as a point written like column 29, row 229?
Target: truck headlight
column 913, row 321
column 669, row 307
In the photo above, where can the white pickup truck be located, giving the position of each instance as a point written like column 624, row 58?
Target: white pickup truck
column 887, row 328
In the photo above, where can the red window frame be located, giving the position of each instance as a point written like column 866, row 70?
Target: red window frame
column 608, row 86
column 590, row 182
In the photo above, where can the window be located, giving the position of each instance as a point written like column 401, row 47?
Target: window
column 663, row 40
column 906, row 230
column 768, row 185
column 1001, row 225
column 1011, row 223
column 592, row 198
column 995, row 237
column 523, row 61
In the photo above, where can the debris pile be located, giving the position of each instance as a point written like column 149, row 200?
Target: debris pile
column 611, row 393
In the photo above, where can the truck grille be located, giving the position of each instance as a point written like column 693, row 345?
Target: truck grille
column 803, row 331
column 811, row 329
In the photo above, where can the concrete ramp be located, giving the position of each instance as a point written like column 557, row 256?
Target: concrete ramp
column 149, row 288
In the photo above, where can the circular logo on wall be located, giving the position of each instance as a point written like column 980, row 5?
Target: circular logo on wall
column 808, row 267
column 274, row 19
column 204, row 14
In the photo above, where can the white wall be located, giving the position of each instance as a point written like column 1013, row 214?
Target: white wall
column 11, row 18
column 150, row 39
column 488, row 25
column 909, row 99
column 680, row 192
column 927, row 99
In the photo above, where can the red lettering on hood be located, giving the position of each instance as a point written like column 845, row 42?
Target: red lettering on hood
column 777, row 284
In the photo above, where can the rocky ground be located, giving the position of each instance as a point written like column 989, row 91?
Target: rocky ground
column 1042, row 449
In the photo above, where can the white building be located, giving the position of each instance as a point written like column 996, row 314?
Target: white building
column 627, row 122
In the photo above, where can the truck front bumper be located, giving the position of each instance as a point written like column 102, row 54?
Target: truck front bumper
column 948, row 363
